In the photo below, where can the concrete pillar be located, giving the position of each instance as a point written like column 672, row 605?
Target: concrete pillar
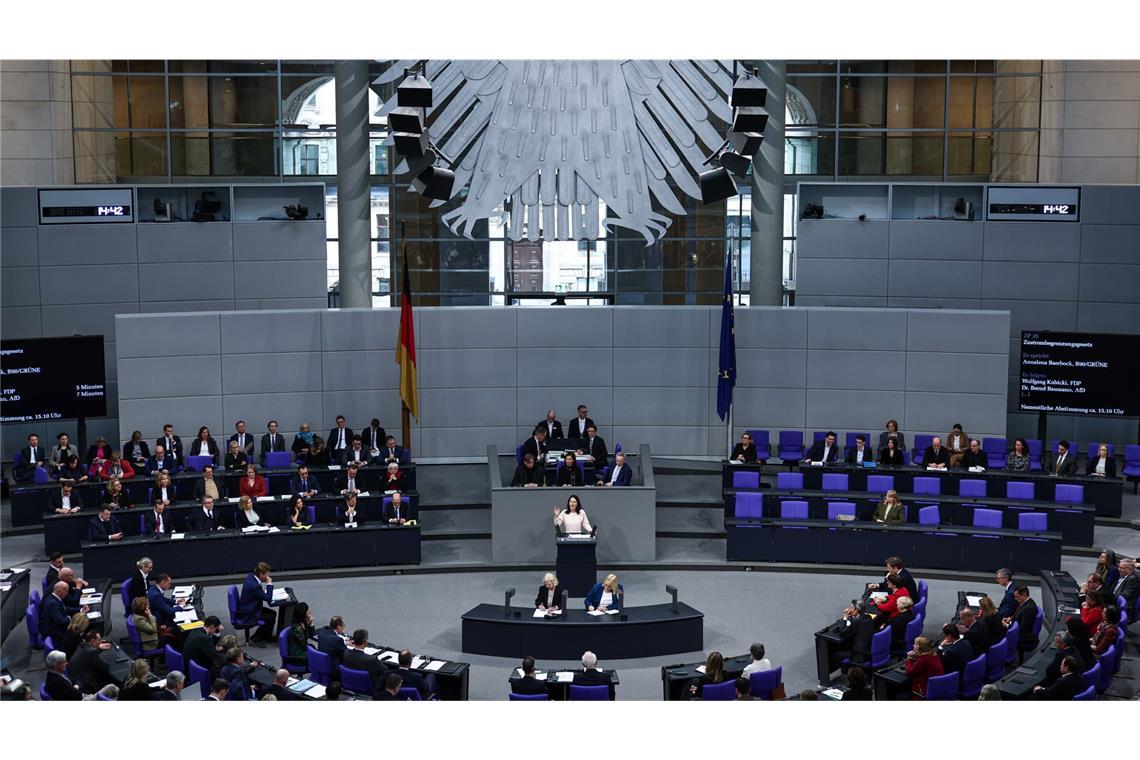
column 35, row 131
column 353, row 196
column 767, row 255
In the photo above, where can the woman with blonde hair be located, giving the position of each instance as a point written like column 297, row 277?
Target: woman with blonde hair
column 74, row 636
column 145, row 623
column 605, row 596
column 890, row 509
column 136, row 688
column 163, row 489
column 991, row 623
column 247, row 517
column 549, row 593
column 922, row 663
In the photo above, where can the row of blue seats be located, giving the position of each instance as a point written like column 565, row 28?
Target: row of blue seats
column 751, row 506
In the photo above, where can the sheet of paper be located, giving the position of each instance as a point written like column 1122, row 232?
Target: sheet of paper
column 250, row 529
column 273, row 529
column 973, row 601
column 280, row 594
column 833, row 693
column 362, row 493
column 94, row 615
column 540, row 676
column 267, row 498
column 595, row 613
column 185, row 616
column 91, row 599
column 316, row 692
column 435, row 665
column 565, row 676
column 817, row 464
column 539, row 613
column 371, row 651
column 183, row 590
column 174, row 536
column 159, row 684
column 700, row 668
column 879, row 596
column 5, row 586
column 390, row 656
column 612, row 612
column 18, row 569
column 234, row 499
column 350, row 525
column 417, row 662
column 334, row 467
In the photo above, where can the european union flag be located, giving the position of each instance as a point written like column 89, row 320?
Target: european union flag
column 726, row 372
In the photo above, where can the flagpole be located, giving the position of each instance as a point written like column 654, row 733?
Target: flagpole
column 728, row 417
column 406, row 413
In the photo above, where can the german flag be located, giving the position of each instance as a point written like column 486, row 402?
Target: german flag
column 406, row 349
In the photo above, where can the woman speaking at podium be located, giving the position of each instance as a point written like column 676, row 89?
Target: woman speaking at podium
column 573, row 519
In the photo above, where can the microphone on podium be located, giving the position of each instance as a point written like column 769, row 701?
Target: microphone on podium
column 672, row 591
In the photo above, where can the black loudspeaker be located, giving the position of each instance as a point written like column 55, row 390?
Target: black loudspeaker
column 747, row 91
column 414, row 92
column 745, row 143
column 435, row 182
column 716, row 185
column 410, row 145
column 736, row 163
column 750, row 119
column 405, row 120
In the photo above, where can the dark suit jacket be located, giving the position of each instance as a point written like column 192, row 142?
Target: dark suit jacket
column 89, row 670
column 598, row 451
column 199, row 647
column 247, row 448
column 407, row 510
column 868, row 454
column 342, row 517
column 625, row 477
column 386, row 454
column 1024, row 616
column 857, row 638
column 175, row 450
column 211, row 449
column 150, row 522
column 200, row 489
column 594, row 678
column 342, row 482
column 331, row 644
column 334, row 438
column 749, row 453
column 26, row 470
column 373, row 439
column 955, row 656
column 540, row 597
column 60, row 688
column 1008, row 603
column 886, row 458
column 97, row 530
column 908, row 583
column 165, row 695
column 576, row 429
column 199, row 521
column 536, row 475
column 365, row 458
column 169, row 463
column 1066, row 687
column 138, row 585
column 553, row 430
column 528, row 685
column 162, row 609
column 278, row 445
column 253, row 596
column 143, row 448
column 970, row 459
column 570, row 476
column 415, row 679
column 357, row 660
column 942, row 457
column 815, row 453
column 122, row 502
column 54, row 617
column 1109, row 466
column 57, row 499
column 137, row 692
column 1128, row 587
column 532, row 446
column 1068, row 467
column 978, row 637
column 898, row 625
column 282, row 693
column 296, row 485
column 242, row 521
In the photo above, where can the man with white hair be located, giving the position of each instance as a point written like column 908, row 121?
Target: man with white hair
column 54, row 613
column 74, row 584
column 57, row 684
column 278, row 688
column 140, row 580
column 1129, row 584
column 591, row 675
column 175, row 682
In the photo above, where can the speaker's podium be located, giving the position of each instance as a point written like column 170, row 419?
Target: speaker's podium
column 577, row 563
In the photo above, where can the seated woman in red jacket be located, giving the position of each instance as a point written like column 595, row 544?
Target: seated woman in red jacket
column 252, row 485
column 1107, row 631
column 1092, row 611
column 116, row 467
column 921, row 664
column 890, row 606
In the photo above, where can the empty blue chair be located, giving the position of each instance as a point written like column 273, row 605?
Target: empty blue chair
column 762, row 683
column 358, row 681
column 921, row 442
column 1035, row 521
column 973, row 677
column 44, row 696
column 200, row 676
column 725, row 691
column 995, row 661
column 519, row 453
column 34, row 598
column 923, row 591
column 409, row 694
column 320, row 666
column 749, row 505
column 880, row 650
column 197, row 463
column 40, row 477
column 1019, row 489
column 283, row 650
column 920, row 608
column 32, row 621
column 793, row 510
column 589, row 693
column 929, row 515
column 835, row 481
column 880, row 484
column 1131, row 469
column 528, row 697
column 1069, row 494
column 987, row 518
column 277, row 460
column 790, row 446
column 790, row 481
column 174, row 660
column 1038, row 621
column 942, row 688
column 1107, row 668
column 125, row 596
column 1036, row 450
column 1088, row 695
column 971, row 487
column 912, row 632
column 762, row 443
column 49, row 645
column 995, row 449
column 745, row 479
column 1012, row 636
column 837, row 508
column 928, row 486
column 1092, row 675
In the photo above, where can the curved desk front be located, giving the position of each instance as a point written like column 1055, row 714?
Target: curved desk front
column 493, row 629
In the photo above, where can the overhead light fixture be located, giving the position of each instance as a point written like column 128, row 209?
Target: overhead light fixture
column 750, row 119
column 412, row 145
column 748, row 91
column 434, row 182
column 739, row 165
column 405, row 119
column 716, row 185
column 746, row 143
column 414, row 92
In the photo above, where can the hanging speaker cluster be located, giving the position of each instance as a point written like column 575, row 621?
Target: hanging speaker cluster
column 412, row 140
column 749, row 118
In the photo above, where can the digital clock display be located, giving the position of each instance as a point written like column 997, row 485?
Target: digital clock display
column 1033, row 204
column 1062, row 209
column 86, row 205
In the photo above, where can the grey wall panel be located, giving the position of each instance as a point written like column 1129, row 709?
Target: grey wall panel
column 18, row 246
column 679, row 326
column 111, row 283
column 366, row 329
column 110, row 363
column 860, row 329
column 768, row 367
column 271, row 373
column 855, row 302
column 271, row 331
column 1110, row 243
column 569, row 327
column 764, row 328
column 187, row 414
column 289, row 409
column 173, row 376
column 878, row 370
column 935, row 303
column 146, row 336
column 1032, row 241
column 536, row 367
column 1036, row 315
column 270, row 304
column 179, row 242
column 950, row 373
column 1113, row 204
column 681, row 407
column 87, row 244
column 980, row 414
column 469, row 367
column 666, row 439
column 462, row 327
column 450, row 439
column 465, row 407
column 824, row 277
column 1109, row 317
column 183, row 282
column 953, row 279
column 20, row 286
column 166, row 307
column 91, row 319
column 851, row 409
column 358, row 407
column 944, row 241
column 280, row 279
column 839, row 239
column 20, row 321
column 1119, row 283
column 774, row 408
column 1029, row 280
column 972, row 332
column 21, row 207
column 278, row 241
column 360, row 370
column 533, row 402
column 655, row 367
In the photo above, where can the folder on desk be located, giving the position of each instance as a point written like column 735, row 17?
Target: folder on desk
column 280, row 595
column 435, row 665
column 565, row 676
column 316, row 691
column 973, row 601
column 183, row 591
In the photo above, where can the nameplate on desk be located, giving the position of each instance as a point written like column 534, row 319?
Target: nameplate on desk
column 976, row 469
column 538, row 674
column 176, row 536
column 267, row 498
column 564, row 676
column 816, row 464
column 334, row 467
column 350, row 525
column 94, row 616
column 91, row 599
column 183, row 590
column 934, row 468
column 362, row 493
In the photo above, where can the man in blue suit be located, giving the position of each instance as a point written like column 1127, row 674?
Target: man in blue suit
column 31, row 456
column 54, row 617
column 304, row 484
column 160, row 607
column 1008, row 603
column 330, row 640
column 620, row 475
column 255, row 602
column 161, row 460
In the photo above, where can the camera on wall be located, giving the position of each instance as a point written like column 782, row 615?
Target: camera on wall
column 297, row 213
column 812, row 211
column 206, row 207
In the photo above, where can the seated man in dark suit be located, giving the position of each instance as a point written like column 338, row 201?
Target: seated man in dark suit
column 621, row 474
column 399, row 510
column 1063, row 463
column 529, row 474
column 160, row 606
column 236, row 672
column 595, row 446
column 590, row 675
column 860, row 452
column 552, row 425
column 373, row 438
column 1070, row 684
column 1025, row 615
column 272, row 441
column 201, row 645
column 349, row 511
column 104, row 526
column 339, row 441
column 66, row 500
column 392, row 683
column 53, row 613
column 172, row 692
column 974, row 456
column 350, row 482
column 330, row 640
column 356, row 659
column 161, row 460
column 392, row 452
column 31, row 456
column 208, row 485
column 528, row 684
column 357, row 454
column 973, row 630
column 172, row 444
column 156, row 522
column 278, row 687
column 424, row 684
column 205, row 519
column 303, row 484
column 57, row 684
column 954, row 650
column 87, row 666
column 936, row 455
column 1064, row 643
column 580, row 424
column 256, row 602
column 823, row 451
column 536, row 446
